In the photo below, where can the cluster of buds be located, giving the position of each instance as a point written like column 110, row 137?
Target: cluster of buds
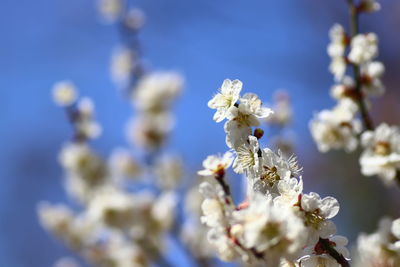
column 276, row 224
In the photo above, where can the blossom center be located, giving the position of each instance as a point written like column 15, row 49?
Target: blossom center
column 382, row 148
column 270, row 175
column 314, row 219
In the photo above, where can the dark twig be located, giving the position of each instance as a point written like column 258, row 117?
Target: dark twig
column 325, row 246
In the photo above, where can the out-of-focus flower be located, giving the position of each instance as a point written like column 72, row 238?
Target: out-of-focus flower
column 168, row 171
column 381, row 154
column 381, row 248
column 66, row 262
column 123, row 165
column 64, row 93
column 123, row 62
column 337, row 128
column 364, row 48
column 135, row 19
column 282, row 108
column 149, row 131
column 371, row 78
column 113, row 208
column 155, row 92
column 336, row 50
column 110, row 9
column 216, row 165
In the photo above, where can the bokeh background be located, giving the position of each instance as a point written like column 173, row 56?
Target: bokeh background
column 267, row 44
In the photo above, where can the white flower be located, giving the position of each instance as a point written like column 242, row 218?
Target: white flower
column 112, row 207
column 110, row 9
column 155, row 92
column 168, row 171
column 213, row 212
column 194, row 235
column 64, row 93
column 82, row 164
column 364, row 48
column 123, row 165
column 272, row 169
column 381, row 248
column 247, row 156
column 382, row 152
column 122, row 65
column 320, row 261
column 253, row 105
column 344, row 90
column 85, row 124
column 148, row 130
column 337, row 128
column 337, row 46
column 163, row 210
column 222, row 244
column 236, row 134
column 289, row 191
column 216, row 215
column 338, row 67
column 371, row 78
column 274, row 231
column 336, row 50
column 135, row 19
column 227, row 97
column 316, row 214
column 242, row 117
column 66, row 262
column 56, row 218
column 216, row 165
column 283, row 112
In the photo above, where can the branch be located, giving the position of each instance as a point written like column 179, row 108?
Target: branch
column 365, row 116
column 354, row 30
column 325, row 246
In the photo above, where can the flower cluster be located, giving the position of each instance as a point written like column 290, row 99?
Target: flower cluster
column 276, row 223
column 348, row 124
column 126, row 205
column 381, row 248
column 381, row 154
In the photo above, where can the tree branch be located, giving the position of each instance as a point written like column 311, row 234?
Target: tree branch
column 326, row 247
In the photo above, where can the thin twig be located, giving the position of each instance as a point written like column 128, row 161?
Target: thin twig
column 326, row 247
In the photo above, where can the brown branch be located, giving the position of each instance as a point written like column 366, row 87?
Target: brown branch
column 326, row 246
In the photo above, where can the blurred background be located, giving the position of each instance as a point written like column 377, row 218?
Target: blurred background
column 266, row 44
